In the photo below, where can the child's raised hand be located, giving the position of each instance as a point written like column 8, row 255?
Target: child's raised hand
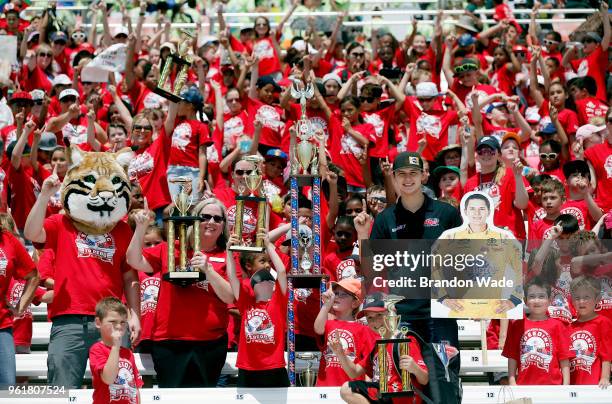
column 362, row 222
column 328, row 298
column 142, row 218
column 117, row 335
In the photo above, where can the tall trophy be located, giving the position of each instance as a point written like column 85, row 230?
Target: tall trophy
column 254, row 184
column 179, row 63
column 182, row 274
column 392, row 334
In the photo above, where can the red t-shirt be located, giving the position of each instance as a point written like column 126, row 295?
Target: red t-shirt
column 464, row 93
column 506, row 214
column 338, row 267
column 600, row 157
column 22, row 326
column 87, row 267
column 269, row 60
column 16, row 264
column 262, row 330
column 148, row 167
column 433, row 124
column 380, row 120
column 75, row 131
column 594, row 66
column 187, row 137
column 542, row 229
column 178, row 306
column 124, row 389
column 347, row 149
column 503, row 79
column 149, row 291
column 567, row 118
column 36, row 79
column 580, row 210
column 317, row 119
column 271, row 118
column 4, row 183
column 590, row 107
column 590, row 343
column 537, row 347
column 233, row 128
column 358, row 342
column 25, row 187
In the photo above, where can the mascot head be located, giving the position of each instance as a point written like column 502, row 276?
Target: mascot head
column 96, row 191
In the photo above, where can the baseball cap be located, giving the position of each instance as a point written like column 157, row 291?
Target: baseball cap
column 586, row 131
column 408, row 160
column 300, row 46
column 532, row 115
column 466, row 40
column 332, row 76
column 33, row 35
column 427, row 90
column 511, row 135
column 494, row 105
column 440, row 171
column 488, row 141
column 351, row 285
column 48, row 141
column 11, row 147
column 37, row 95
column 549, row 129
column 447, row 148
column 168, row 45
column 68, row 92
column 261, row 276
column 61, row 80
column 593, row 35
column 59, row 36
column 265, row 80
column 576, row 166
column 278, row 154
column 372, row 304
column 21, row 96
column 121, row 30
column 192, row 95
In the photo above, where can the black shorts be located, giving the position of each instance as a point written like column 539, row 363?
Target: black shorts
column 263, row 378
column 369, row 390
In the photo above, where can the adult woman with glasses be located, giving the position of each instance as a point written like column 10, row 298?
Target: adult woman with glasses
column 356, row 62
column 190, row 336
column 37, row 71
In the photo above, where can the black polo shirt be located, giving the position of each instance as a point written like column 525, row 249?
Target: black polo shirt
column 427, row 223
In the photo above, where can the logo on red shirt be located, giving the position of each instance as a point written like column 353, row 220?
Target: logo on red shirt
column 577, row 213
column 585, row 348
column 181, row 136
column 124, row 387
column 348, row 346
column 536, row 349
column 100, row 246
column 258, row 327
column 149, row 290
column 346, row 269
column 3, row 263
column 14, row 297
column 608, row 166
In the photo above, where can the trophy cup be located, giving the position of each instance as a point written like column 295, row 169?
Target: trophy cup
column 308, row 376
column 396, row 335
column 179, row 63
column 183, row 274
column 305, row 153
column 254, row 185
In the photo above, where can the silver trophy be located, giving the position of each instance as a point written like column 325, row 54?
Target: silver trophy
column 308, row 376
column 305, row 238
column 305, row 153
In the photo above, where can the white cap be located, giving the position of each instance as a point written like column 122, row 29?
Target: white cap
column 427, row 89
column 334, row 77
column 540, row 80
column 37, row 95
column 300, row 46
column 532, row 115
column 61, row 80
column 168, row 45
column 586, row 131
column 120, row 30
column 68, row 92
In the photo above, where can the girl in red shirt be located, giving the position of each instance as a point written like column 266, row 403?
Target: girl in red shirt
column 337, row 263
column 505, row 67
column 37, row 72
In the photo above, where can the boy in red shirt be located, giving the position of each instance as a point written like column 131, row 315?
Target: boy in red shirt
column 336, row 322
column 113, row 369
column 537, row 346
column 553, row 197
column 263, row 308
column 590, row 335
column 580, row 202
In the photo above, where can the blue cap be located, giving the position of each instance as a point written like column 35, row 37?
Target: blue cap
column 192, row 95
column 494, row 105
column 488, row 141
column 277, row 153
column 466, row 40
column 59, row 36
column 265, row 80
column 549, row 129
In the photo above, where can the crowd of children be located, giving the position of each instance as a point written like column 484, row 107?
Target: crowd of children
column 517, row 112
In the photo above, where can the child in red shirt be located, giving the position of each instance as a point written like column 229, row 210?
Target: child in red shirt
column 263, row 308
column 338, row 263
column 336, row 322
column 113, row 369
column 537, row 347
column 590, row 335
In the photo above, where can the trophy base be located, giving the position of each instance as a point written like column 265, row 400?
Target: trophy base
column 184, row 278
column 167, row 95
column 404, row 393
column 245, row 248
column 306, row 281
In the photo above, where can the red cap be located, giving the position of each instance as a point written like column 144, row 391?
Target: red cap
column 21, row 95
column 87, row 47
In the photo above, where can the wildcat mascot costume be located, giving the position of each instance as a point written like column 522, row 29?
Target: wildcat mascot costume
column 89, row 242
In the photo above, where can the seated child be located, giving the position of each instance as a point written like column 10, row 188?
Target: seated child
column 537, row 346
column 113, row 370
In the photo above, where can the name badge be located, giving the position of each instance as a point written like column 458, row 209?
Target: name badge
column 216, row 259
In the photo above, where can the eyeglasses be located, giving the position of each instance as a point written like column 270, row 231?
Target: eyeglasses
column 142, row 127
column 241, row 173
column 549, row 42
column 548, row 156
column 369, row 100
column 357, row 54
column 261, row 24
column 45, row 55
column 231, row 100
column 485, row 151
column 343, row 295
column 351, row 211
column 217, row 219
column 467, row 67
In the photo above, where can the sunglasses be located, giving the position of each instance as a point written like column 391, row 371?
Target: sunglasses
column 59, row 43
column 45, row 55
column 216, row 218
column 357, row 54
column 78, row 35
column 485, row 151
column 369, row 100
column 549, row 42
column 378, row 199
column 588, row 40
column 240, row 173
column 230, row 100
column 521, row 54
column 467, row 67
column 343, row 234
column 426, row 99
column 548, row 156
column 351, row 211
column 86, row 83
column 69, row 98
column 261, row 24
column 38, row 102
column 142, row 127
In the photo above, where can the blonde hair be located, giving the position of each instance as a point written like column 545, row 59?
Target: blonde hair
column 197, row 211
column 586, row 282
column 109, row 304
column 8, row 224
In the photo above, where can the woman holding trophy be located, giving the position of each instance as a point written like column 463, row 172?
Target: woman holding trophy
column 190, row 339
